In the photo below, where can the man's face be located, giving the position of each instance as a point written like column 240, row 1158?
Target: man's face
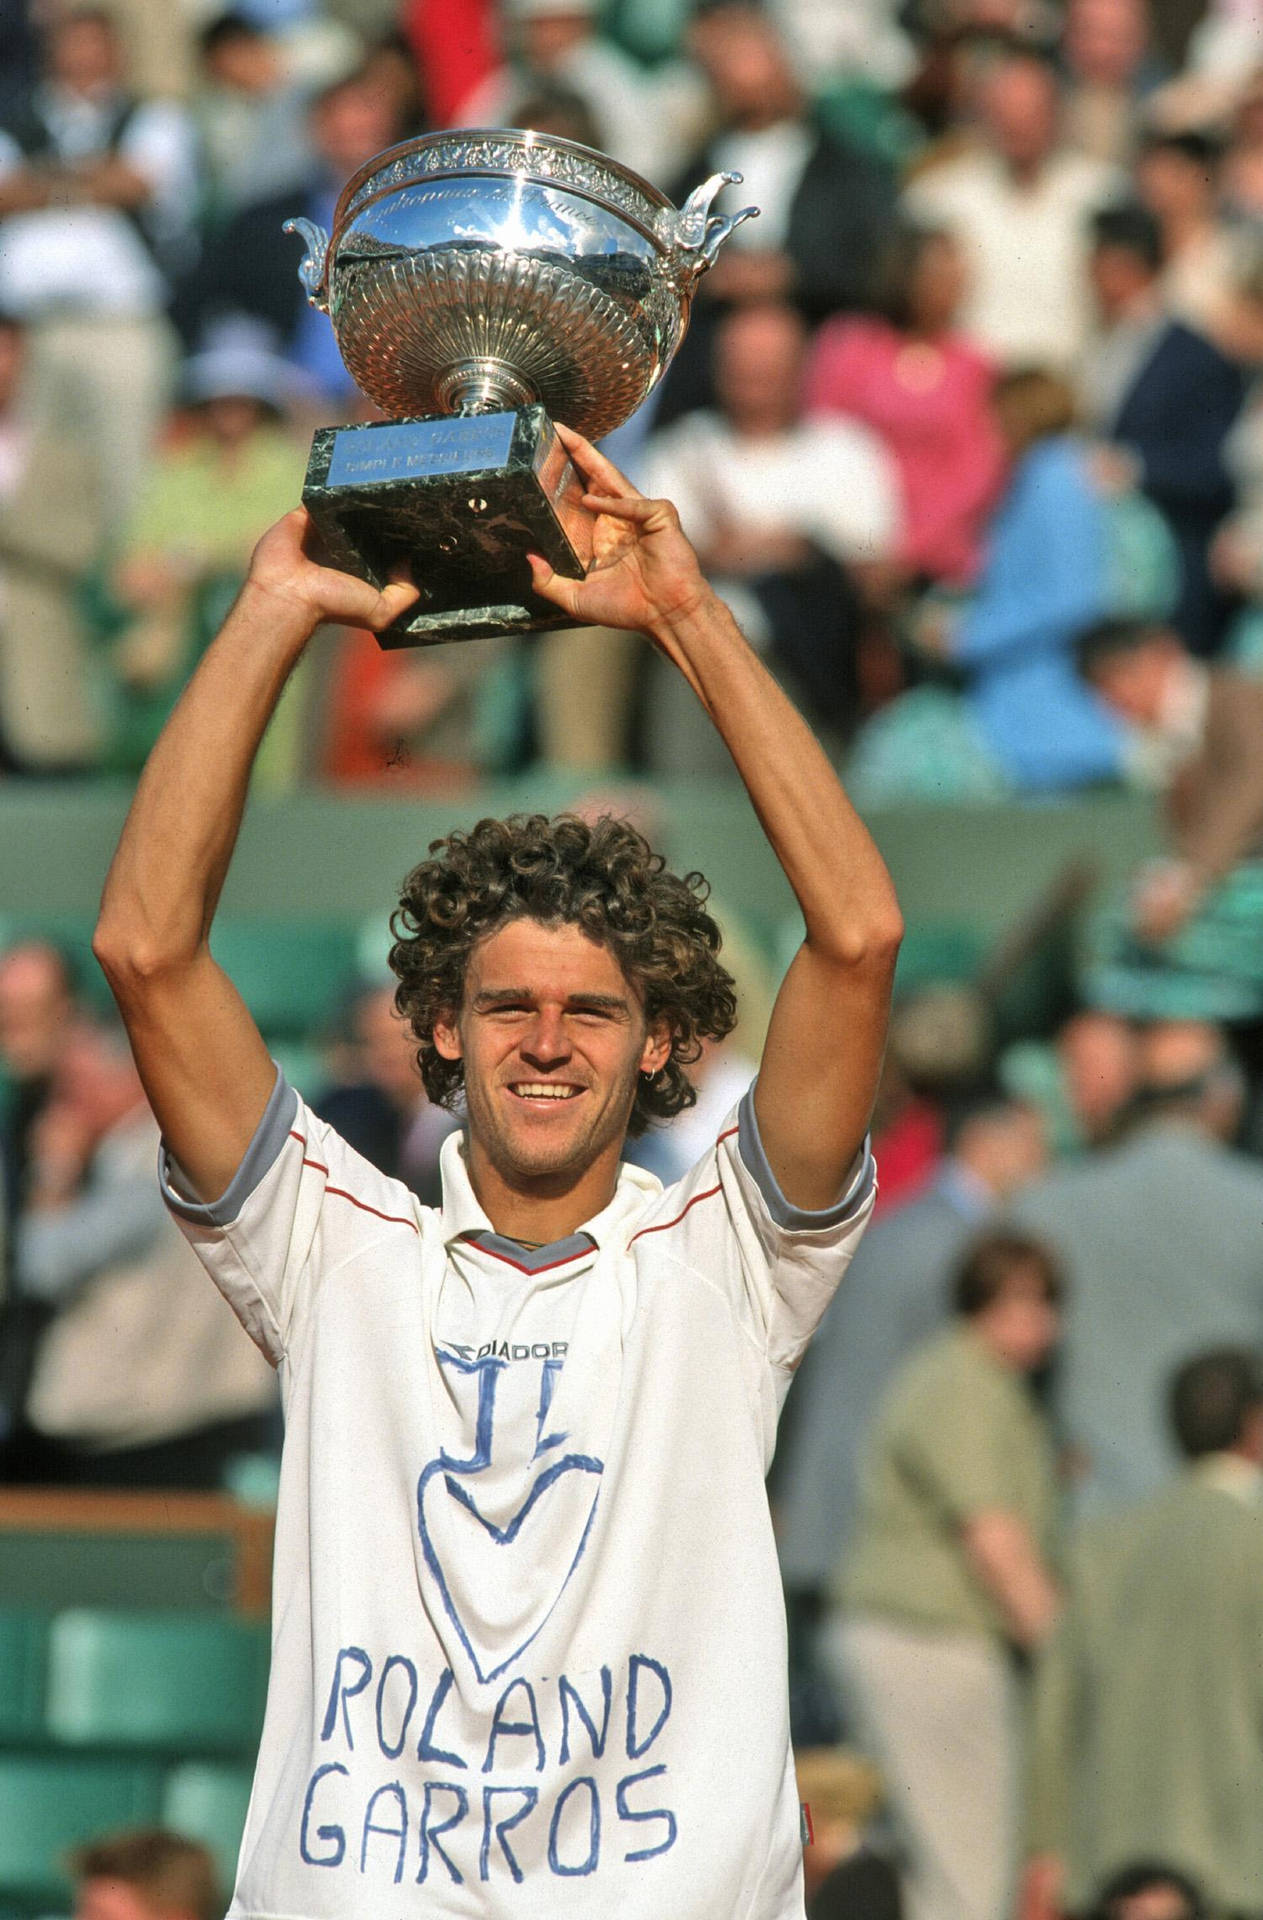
column 35, row 1012
column 553, row 1037
column 1019, row 111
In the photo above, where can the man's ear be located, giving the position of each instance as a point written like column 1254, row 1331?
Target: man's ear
column 657, row 1048
column 447, row 1036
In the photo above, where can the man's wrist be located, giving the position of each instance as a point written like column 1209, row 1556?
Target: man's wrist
column 700, row 619
column 287, row 615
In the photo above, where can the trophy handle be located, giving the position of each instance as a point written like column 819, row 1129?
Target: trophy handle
column 311, row 270
column 699, row 234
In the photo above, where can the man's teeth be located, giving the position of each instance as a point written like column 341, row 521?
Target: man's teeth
column 543, row 1090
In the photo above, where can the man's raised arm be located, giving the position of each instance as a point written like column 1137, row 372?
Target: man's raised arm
column 820, row 1066
column 201, row 1057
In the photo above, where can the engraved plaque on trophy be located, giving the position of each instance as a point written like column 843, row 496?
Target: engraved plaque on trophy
column 482, row 285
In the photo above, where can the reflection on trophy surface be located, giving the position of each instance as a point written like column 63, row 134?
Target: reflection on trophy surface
column 482, row 285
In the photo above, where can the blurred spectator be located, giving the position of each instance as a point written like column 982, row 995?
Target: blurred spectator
column 789, row 517
column 1190, row 938
column 376, row 1100
column 145, row 1874
column 1105, row 48
column 844, row 1876
column 823, row 206
column 143, row 1377
column 1083, row 1083
column 1166, row 397
column 203, row 502
column 454, row 43
column 38, row 1016
column 925, row 389
column 411, row 719
column 1017, row 202
column 251, row 115
column 1148, row 1890
column 51, row 526
column 98, row 194
column 647, row 119
column 907, row 1126
column 950, row 1572
column 1177, row 177
column 251, row 267
column 897, row 1294
column 1241, row 175
column 1066, row 547
column 1148, row 1734
column 1160, row 1237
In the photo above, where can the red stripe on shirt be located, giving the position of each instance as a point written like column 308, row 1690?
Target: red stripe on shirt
column 664, row 1224
column 340, row 1193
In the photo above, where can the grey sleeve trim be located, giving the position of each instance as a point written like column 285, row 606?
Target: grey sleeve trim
column 790, row 1218
column 269, row 1137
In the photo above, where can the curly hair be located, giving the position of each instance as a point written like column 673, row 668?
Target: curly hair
column 600, row 876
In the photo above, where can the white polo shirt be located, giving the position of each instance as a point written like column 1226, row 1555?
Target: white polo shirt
column 528, row 1644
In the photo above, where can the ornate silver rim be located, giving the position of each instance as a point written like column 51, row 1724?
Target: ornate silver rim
column 637, row 199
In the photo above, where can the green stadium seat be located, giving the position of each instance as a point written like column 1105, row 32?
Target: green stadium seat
column 191, row 1683
column 208, row 1803
column 50, row 1804
column 23, row 1654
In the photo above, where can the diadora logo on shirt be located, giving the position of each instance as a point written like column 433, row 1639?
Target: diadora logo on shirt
column 505, row 1350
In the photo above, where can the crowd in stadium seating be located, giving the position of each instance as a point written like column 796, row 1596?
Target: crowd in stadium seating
column 966, row 429
column 988, row 349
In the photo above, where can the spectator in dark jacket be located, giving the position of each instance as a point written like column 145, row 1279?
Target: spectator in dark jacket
column 1166, row 397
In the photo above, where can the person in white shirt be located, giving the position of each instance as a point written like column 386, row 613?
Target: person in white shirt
column 529, row 1643
column 795, row 522
column 98, row 193
column 1019, row 203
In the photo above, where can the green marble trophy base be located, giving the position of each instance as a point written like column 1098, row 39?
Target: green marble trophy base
column 463, row 501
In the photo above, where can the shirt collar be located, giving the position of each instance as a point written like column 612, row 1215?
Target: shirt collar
column 463, row 1214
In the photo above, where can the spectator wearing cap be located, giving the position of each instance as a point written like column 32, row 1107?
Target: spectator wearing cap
column 98, row 194
column 232, row 468
column 1159, row 1235
column 1166, row 396
column 1017, row 200
column 1148, row 1726
column 48, row 716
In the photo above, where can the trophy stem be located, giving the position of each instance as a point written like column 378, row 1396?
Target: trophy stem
column 484, row 386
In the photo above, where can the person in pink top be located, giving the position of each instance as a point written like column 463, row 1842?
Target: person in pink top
column 925, row 390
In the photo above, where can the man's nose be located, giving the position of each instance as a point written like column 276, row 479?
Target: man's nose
column 546, row 1044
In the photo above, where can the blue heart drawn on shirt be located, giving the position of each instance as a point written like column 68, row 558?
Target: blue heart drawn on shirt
column 447, row 1490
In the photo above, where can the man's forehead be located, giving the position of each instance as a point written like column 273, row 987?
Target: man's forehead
column 558, row 958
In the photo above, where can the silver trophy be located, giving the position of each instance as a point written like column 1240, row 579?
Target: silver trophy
column 481, row 285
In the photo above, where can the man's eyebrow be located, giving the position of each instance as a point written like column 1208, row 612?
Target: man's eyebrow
column 513, row 996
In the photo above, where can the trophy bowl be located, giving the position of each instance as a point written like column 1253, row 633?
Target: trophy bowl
column 498, row 273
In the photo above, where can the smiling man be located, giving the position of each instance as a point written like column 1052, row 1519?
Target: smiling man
column 529, row 1647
